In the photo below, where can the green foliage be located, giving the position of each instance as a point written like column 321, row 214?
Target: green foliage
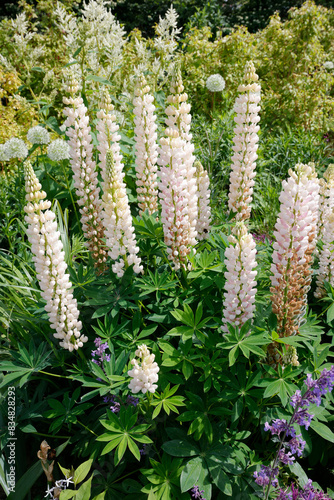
column 204, row 424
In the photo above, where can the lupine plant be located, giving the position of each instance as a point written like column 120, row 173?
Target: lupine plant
column 153, row 342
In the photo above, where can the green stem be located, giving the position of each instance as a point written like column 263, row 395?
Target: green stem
column 70, row 192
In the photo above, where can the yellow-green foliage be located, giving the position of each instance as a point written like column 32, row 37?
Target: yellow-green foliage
column 290, row 61
column 16, row 118
column 289, row 58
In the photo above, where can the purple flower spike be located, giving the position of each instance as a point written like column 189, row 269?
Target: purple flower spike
column 197, row 493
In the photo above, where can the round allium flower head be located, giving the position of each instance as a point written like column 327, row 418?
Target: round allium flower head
column 215, row 83
column 145, row 371
column 16, row 148
column 38, row 135
column 58, row 150
column 328, row 65
column 3, row 153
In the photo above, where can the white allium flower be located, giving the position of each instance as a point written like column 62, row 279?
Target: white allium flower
column 146, row 148
column 203, row 204
column 116, row 215
column 49, row 259
column 240, row 286
column 295, row 233
column 85, row 173
column 4, row 156
column 144, row 373
column 16, row 148
column 38, row 135
column 59, row 150
column 326, row 258
column 215, row 83
column 245, row 145
column 328, row 65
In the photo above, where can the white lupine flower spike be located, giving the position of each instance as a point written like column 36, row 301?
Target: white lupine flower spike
column 245, row 145
column 203, row 203
column 240, row 286
column 326, row 203
column 144, row 373
column 49, row 259
column 116, row 214
column 117, row 219
column 146, row 148
column 326, row 258
column 85, row 174
column 178, row 186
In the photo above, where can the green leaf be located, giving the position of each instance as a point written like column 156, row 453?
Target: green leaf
column 65, row 495
column 84, row 491
column 100, row 496
column 180, row 448
column 99, row 79
column 233, row 355
column 190, row 473
column 330, row 313
column 82, row 471
column 323, row 431
column 296, row 469
column 272, row 389
column 220, row 478
column 121, row 449
column 134, row 448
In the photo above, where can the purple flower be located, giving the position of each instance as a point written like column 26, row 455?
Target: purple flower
column 132, row 400
column 142, row 450
column 307, row 493
column 197, row 493
column 286, row 457
column 98, row 354
column 265, row 475
column 115, row 407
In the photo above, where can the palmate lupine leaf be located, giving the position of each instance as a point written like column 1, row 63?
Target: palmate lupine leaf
column 167, row 401
column 240, row 341
column 123, row 433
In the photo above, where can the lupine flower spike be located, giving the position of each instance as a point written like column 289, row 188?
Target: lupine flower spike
column 295, row 234
column 245, row 145
column 203, row 202
column 295, row 241
column 326, row 202
column 145, row 371
column 107, row 129
column 326, row 258
column 240, row 286
column 117, row 218
column 146, row 148
column 179, row 118
column 177, row 189
column 47, row 248
column 85, row 174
